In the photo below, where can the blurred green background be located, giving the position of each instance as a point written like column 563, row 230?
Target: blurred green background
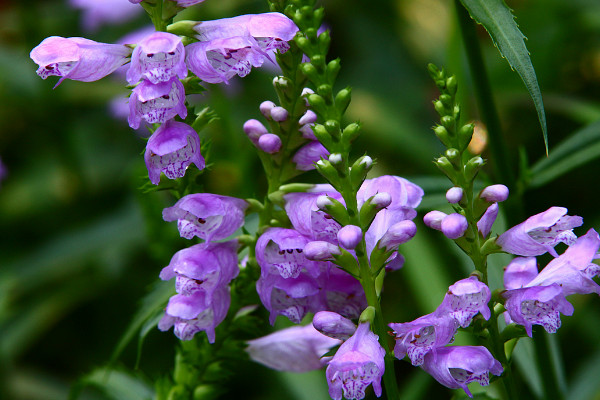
column 81, row 244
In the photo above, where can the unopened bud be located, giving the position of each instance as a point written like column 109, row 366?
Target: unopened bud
column 454, row 195
column 433, row 219
column 351, row 132
column 443, row 135
column 269, row 143
column 323, row 201
column 465, row 134
column 484, row 225
column 400, row 232
column 454, row 225
column 321, row 251
column 335, row 158
column 349, row 236
column 279, row 114
column 266, row 107
column 309, row 117
column 333, row 325
column 254, row 129
column 333, row 67
column 448, row 122
column 494, row 193
column 473, row 166
column 446, row 167
column 280, row 81
column 382, row 199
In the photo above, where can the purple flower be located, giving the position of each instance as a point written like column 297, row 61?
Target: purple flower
column 158, row 58
column 291, row 297
column 3, row 171
column 269, row 31
column 484, row 225
column 206, row 215
column 465, row 299
column 399, row 233
column 156, row 103
column 269, row 143
column 454, row 225
column 349, row 236
column 494, row 193
column 333, row 325
column 433, row 219
column 101, row 12
column 308, row 219
column 77, row 58
column 203, row 267
column 219, row 60
column 574, row 269
column 454, row 195
column 358, row 363
column 343, row 293
column 457, row 366
column 280, row 251
column 537, row 305
column 520, row 272
column 540, row 233
column 423, row 335
column 254, row 129
column 294, row 349
column 171, row 149
column 306, row 157
column 319, row 250
column 195, row 313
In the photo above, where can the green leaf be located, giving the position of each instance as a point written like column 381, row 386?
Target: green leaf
column 581, row 147
column 115, row 384
column 499, row 21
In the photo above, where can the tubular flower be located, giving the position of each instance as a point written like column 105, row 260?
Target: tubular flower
column 156, row 103
column 307, row 155
column 308, row 219
column 333, row 325
column 206, row 215
column 171, row 150
column 537, row 305
column 294, row 349
column 457, row 366
column 540, row 233
column 158, row 58
column 423, row 335
column 465, row 299
column 358, row 363
column 203, row 267
column 281, row 251
column 77, row 58
column 343, row 293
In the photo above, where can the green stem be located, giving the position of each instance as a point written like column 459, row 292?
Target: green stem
column 483, row 91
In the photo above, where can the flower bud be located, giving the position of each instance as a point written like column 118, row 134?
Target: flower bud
column 446, row 167
column 382, row 199
column 280, row 81
column 309, row 117
column 335, row 158
column 443, row 134
column 349, row 236
column 400, row 232
column 454, row 225
column 333, row 325
column 333, row 67
column 448, row 122
column 325, row 90
column 254, row 129
column 372, row 206
column 359, row 170
column 454, row 195
column 465, row 133
column 473, row 166
column 266, row 107
column 494, row 193
column 350, row 132
column 342, row 99
column 433, row 219
column 333, row 207
column 279, row 114
column 484, row 225
column 269, row 143
column 321, row 251
column 454, row 156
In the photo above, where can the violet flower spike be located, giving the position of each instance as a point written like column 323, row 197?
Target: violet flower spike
column 77, row 58
column 465, row 299
column 156, row 103
column 423, row 335
column 540, row 233
column 457, row 366
column 294, row 349
column 207, row 216
column 158, row 58
column 172, row 148
column 358, row 363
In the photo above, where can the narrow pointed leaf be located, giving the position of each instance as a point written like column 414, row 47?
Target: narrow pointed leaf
column 499, row 21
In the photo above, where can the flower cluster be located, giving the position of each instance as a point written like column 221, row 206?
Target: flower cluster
column 534, row 298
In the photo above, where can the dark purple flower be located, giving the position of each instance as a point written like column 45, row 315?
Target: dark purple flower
column 156, row 103
column 333, row 325
column 574, row 269
column 457, row 366
column 105, row 12
column 540, row 233
column 270, row 31
column 307, row 155
column 219, row 60
column 294, row 349
column 358, row 363
column 192, row 314
column 281, row 251
column 158, row 58
column 537, row 305
column 171, row 150
column 203, row 267
column 342, row 292
column 465, row 299
column 77, row 58
column 308, row 219
column 423, row 335
column 291, row 297
column 206, row 215
column 484, row 225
